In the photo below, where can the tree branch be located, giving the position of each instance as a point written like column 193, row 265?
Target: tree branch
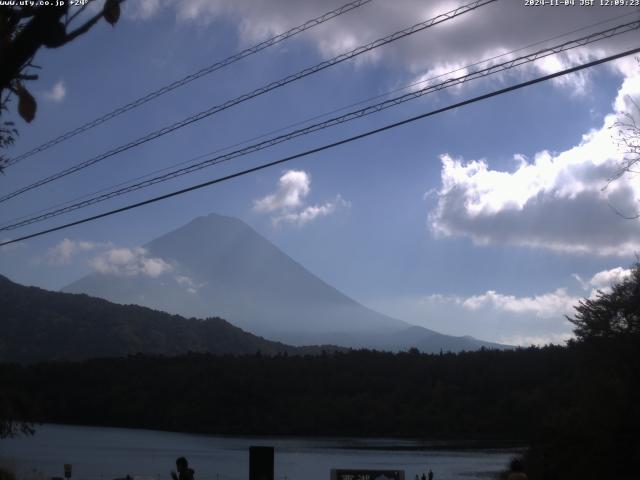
column 84, row 28
column 87, row 25
column 617, row 212
column 78, row 12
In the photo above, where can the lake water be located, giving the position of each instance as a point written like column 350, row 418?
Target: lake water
column 98, row 453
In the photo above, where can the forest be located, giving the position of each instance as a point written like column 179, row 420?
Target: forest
column 577, row 407
column 572, row 404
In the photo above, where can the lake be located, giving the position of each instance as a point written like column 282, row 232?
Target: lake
column 98, row 453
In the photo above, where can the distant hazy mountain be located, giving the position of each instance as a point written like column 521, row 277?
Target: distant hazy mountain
column 419, row 337
column 222, row 267
column 38, row 325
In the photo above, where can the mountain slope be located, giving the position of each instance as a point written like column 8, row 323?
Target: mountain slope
column 219, row 266
column 239, row 276
column 39, row 325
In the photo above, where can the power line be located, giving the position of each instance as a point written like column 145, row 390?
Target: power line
column 329, row 146
column 194, row 76
column 310, row 119
column 262, row 90
column 315, row 117
column 493, row 69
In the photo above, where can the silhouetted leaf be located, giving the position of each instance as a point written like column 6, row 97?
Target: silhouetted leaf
column 27, row 105
column 111, row 11
column 55, row 35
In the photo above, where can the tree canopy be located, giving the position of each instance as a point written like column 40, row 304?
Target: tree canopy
column 610, row 313
column 24, row 29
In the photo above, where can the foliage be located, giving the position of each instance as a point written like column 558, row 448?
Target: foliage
column 24, row 29
column 483, row 394
column 577, row 406
column 7, row 473
column 12, row 428
column 610, row 314
column 628, row 139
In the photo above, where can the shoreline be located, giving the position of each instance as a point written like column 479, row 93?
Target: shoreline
column 371, row 443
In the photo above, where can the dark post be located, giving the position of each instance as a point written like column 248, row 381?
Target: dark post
column 261, row 463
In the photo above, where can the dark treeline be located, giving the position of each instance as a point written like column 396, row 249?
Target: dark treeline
column 578, row 406
column 356, row 393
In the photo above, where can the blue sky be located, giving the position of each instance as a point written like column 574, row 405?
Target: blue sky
column 489, row 220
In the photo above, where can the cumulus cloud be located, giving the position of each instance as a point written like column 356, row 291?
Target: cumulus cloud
column 555, row 201
column 63, row 252
column 538, row 340
column 604, row 280
column 57, row 93
column 506, row 318
column 546, row 305
column 293, row 187
column 129, row 262
column 189, row 284
column 607, row 278
column 493, row 316
column 287, row 204
column 441, row 298
column 312, row 212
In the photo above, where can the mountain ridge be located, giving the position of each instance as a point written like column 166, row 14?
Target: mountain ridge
column 241, row 277
column 237, row 274
column 41, row 325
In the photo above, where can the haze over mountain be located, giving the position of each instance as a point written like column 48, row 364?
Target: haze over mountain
column 39, row 325
column 219, row 266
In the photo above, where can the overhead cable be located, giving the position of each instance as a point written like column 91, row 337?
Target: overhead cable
column 327, row 146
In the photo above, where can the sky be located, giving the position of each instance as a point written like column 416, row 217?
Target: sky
column 490, row 220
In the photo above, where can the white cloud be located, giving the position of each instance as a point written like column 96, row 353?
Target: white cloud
column 546, row 305
column 539, row 340
column 57, row 93
column 440, row 298
column 312, row 212
column 556, row 201
column 189, row 284
column 287, row 204
column 65, row 250
column 457, row 42
column 491, row 316
column 293, row 187
column 607, row 278
column 604, row 280
column 500, row 317
column 141, row 9
column 129, row 262
column 576, row 82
